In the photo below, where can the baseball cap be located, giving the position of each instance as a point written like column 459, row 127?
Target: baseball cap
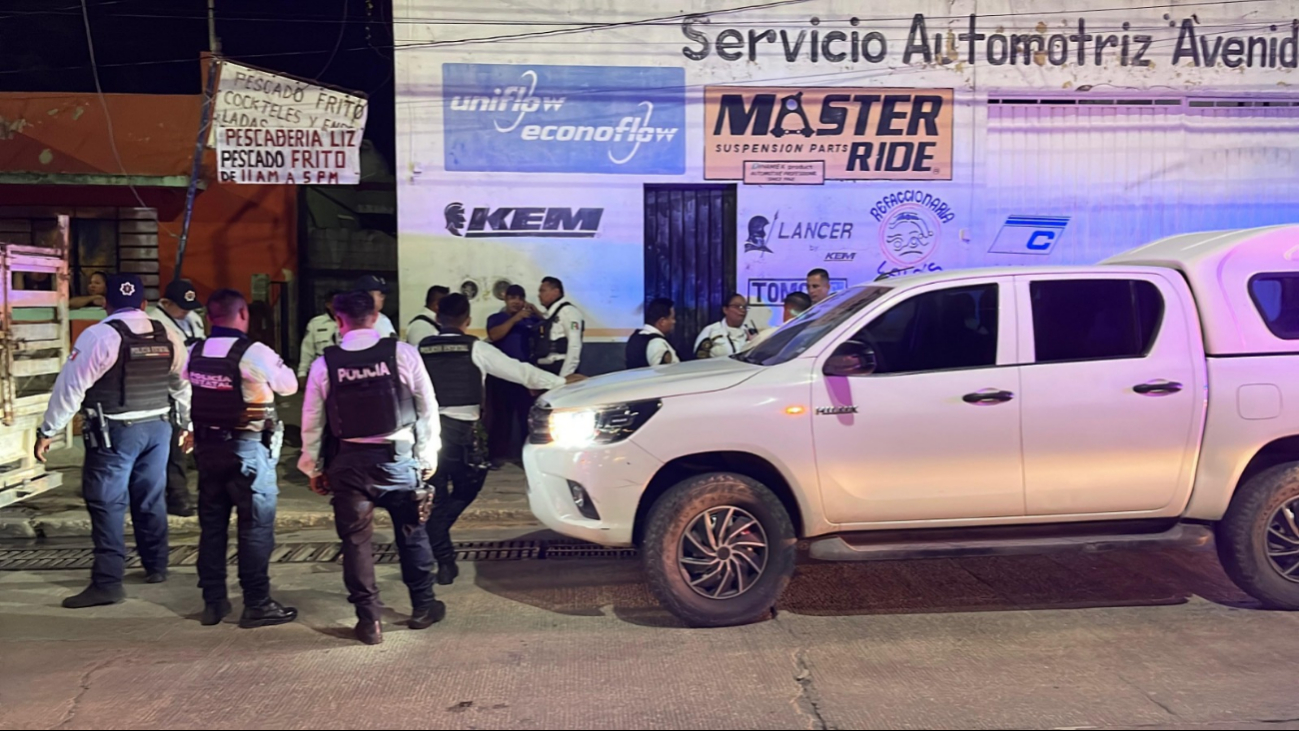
column 370, row 283
column 124, row 291
column 182, row 294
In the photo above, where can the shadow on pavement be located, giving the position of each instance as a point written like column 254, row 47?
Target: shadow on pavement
column 1068, row 581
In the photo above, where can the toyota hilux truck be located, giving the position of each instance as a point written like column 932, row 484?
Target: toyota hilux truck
column 1151, row 400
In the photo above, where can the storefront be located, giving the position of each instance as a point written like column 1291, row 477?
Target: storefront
column 683, row 150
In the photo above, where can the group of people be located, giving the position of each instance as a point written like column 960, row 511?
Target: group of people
column 385, row 423
column 649, row 346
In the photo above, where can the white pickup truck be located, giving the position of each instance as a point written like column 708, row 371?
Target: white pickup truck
column 1151, row 400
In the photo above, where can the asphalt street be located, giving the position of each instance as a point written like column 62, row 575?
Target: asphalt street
column 1122, row 640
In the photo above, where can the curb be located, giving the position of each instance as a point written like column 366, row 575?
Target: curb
column 75, row 524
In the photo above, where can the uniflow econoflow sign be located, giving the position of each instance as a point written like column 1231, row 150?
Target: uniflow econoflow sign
column 269, row 128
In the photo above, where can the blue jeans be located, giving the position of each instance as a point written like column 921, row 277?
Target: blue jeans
column 360, row 481
column 131, row 475
column 236, row 475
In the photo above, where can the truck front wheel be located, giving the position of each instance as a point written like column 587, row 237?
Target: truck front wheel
column 1258, row 538
column 719, row 550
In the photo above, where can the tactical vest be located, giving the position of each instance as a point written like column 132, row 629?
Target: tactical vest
column 189, row 339
column 219, row 392
column 140, row 379
column 543, row 346
column 425, row 318
column 366, row 396
column 450, row 363
column 638, row 349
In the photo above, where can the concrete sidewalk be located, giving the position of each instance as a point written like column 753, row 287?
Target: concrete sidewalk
column 61, row 513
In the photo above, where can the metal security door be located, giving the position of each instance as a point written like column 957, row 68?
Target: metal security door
column 690, row 254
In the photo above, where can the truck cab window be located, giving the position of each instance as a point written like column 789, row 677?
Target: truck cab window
column 935, row 331
column 1094, row 319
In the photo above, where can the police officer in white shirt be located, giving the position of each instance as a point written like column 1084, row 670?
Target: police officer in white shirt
column 322, row 332
column 376, row 399
column 237, row 436
column 557, row 345
column 176, row 311
column 649, row 346
column 729, row 335
column 378, row 289
column 459, row 364
column 123, row 374
column 426, row 322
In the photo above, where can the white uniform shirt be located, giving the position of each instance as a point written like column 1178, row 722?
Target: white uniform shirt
column 569, row 325
column 417, row 330
column 725, row 340
column 492, row 362
column 188, row 327
column 93, row 355
column 426, row 436
column 322, row 332
column 264, row 373
column 658, row 348
column 384, row 326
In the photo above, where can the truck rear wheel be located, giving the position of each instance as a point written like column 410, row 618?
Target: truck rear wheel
column 1258, row 538
column 719, row 550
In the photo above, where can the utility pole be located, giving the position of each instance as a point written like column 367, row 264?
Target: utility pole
column 205, row 121
column 213, row 43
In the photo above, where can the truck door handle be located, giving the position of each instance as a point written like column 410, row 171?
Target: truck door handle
column 1157, row 387
column 988, row 396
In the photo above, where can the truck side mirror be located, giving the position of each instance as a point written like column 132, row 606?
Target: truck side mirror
column 853, row 358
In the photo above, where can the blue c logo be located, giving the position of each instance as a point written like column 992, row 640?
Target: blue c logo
column 1046, row 237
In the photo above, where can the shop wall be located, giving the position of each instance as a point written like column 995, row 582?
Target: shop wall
column 1077, row 130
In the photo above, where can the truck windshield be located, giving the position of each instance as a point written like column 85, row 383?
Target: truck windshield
column 794, row 337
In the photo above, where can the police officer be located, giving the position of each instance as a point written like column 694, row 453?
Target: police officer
column 729, row 335
column 458, row 364
column 123, row 373
column 796, row 303
column 649, row 346
column 322, row 332
column 236, row 434
column 378, row 289
column 376, row 398
column 557, row 347
column 818, row 285
column 426, row 322
column 176, row 311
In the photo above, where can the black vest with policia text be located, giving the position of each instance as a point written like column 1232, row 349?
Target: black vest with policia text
column 219, row 391
column 139, row 380
column 638, row 349
column 545, row 345
column 450, row 363
column 366, row 396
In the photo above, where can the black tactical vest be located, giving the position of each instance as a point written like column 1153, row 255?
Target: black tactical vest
column 139, row 380
column 366, row 396
column 219, row 391
column 450, row 363
column 543, row 343
column 425, row 318
column 638, row 349
column 189, row 339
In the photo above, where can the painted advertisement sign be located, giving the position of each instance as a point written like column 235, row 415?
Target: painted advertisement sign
column 857, row 133
column 564, row 119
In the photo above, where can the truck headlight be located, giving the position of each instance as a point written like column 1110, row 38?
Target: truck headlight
column 583, row 427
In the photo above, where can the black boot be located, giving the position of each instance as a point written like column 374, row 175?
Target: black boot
column 267, row 614
column 428, row 616
column 96, row 596
column 371, row 633
column 156, row 577
column 214, row 612
column 447, row 572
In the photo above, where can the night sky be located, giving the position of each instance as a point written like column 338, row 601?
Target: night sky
column 152, row 47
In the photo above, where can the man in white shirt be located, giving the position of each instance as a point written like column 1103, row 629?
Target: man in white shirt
column 322, row 332
column 378, row 289
column 729, row 335
column 237, row 435
column 176, row 310
column 425, row 323
column 123, row 373
column 459, row 364
column 375, row 396
column 649, row 346
column 560, row 331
